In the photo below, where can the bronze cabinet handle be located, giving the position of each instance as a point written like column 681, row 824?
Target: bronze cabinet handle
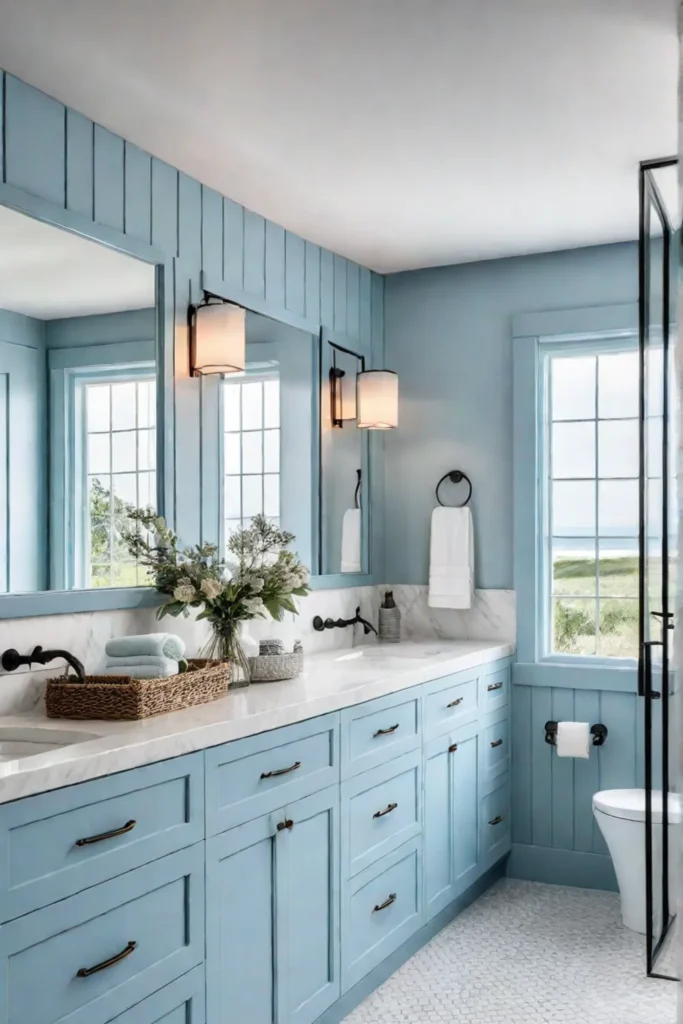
column 497, row 820
column 454, row 703
column 387, row 810
column 287, row 823
column 85, row 972
column 128, row 827
column 281, row 771
column 496, row 743
column 387, row 903
column 386, row 732
column 494, row 686
column 453, row 747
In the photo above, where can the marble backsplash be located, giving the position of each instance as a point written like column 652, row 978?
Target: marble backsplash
column 85, row 634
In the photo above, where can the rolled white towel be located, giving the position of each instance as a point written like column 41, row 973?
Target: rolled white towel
column 155, row 645
column 141, row 659
column 163, row 668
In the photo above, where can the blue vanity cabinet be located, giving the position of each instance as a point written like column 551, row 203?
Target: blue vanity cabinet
column 272, row 951
column 379, row 730
column 451, row 821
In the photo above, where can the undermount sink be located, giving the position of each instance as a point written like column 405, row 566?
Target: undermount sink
column 24, row 741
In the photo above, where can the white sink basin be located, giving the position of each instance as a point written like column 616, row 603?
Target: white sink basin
column 24, row 741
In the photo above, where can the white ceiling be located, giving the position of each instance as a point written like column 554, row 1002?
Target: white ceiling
column 48, row 273
column 401, row 133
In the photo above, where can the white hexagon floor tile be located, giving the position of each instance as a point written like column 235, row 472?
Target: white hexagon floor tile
column 527, row 953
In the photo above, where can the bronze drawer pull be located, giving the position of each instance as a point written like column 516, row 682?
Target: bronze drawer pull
column 287, row 823
column 386, row 732
column 454, row 703
column 494, row 686
column 387, row 903
column 453, row 747
column 496, row 743
column 281, row 771
column 387, row 810
column 128, row 827
column 85, row 972
column 497, row 820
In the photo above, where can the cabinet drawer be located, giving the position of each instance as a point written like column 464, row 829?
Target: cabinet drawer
column 450, row 702
column 248, row 778
column 495, row 821
column 373, row 733
column 92, row 956
column 181, row 1002
column 384, row 908
column 381, row 809
column 495, row 688
column 496, row 745
column 58, row 843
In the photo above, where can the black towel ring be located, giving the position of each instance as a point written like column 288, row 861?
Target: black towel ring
column 455, row 476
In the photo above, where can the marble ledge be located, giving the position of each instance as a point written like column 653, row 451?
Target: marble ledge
column 330, row 681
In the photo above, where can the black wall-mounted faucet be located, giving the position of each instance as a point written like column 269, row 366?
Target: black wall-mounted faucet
column 12, row 660
column 320, row 625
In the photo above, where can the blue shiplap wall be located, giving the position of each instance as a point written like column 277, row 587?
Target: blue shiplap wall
column 62, row 158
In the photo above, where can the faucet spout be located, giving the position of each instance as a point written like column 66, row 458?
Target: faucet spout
column 12, row 660
column 357, row 620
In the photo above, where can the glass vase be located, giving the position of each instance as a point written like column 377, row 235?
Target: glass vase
column 225, row 645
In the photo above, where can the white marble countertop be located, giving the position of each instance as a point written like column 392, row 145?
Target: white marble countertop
column 329, row 682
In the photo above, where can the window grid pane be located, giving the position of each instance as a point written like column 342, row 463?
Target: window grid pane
column 120, row 429
column 251, row 450
column 592, row 513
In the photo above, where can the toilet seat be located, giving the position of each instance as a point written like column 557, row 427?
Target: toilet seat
column 629, row 804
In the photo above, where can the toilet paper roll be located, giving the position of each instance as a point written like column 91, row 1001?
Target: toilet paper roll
column 573, row 739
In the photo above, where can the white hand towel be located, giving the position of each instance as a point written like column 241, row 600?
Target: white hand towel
column 451, row 558
column 350, row 544
column 163, row 668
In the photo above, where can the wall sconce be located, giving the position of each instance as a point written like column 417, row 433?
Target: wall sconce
column 342, row 392
column 377, row 400
column 218, row 337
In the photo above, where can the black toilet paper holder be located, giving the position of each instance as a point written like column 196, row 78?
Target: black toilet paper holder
column 598, row 732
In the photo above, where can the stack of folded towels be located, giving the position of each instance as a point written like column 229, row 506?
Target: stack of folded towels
column 150, row 656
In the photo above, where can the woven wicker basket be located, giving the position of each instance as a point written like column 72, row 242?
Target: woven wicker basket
column 124, row 698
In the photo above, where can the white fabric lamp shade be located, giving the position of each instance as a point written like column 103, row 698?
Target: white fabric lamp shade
column 377, row 400
column 220, row 339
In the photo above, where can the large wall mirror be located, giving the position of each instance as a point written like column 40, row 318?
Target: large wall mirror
column 344, row 463
column 78, row 407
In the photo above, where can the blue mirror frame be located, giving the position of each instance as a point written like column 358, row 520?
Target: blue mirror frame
column 51, row 602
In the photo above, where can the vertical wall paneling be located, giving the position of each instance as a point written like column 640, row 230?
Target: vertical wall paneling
column 138, row 194
column 233, row 244
column 353, row 300
column 79, row 165
column 189, row 222
column 211, row 449
column 377, row 313
column 521, row 761
column 34, row 142
column 187, row 419
column 365, row 307
column 254, row 254
column 275, row 265
column 2, row 126
column 165, row 207
column 541, row 768
column 562, row 703
column 326, row 288
column 586, row 775
column 312, row 284
column 109, row 178
column 340, row 265
column 295, row 274
column 212, row 232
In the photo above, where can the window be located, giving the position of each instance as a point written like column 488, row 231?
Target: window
column 591, row 503
column 251, row 449
column 118, row 471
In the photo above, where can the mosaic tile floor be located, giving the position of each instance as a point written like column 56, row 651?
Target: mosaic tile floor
column 527, row 954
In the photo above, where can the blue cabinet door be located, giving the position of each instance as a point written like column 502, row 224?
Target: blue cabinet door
column 241, row 927
column 451, row 832
column 308, row 968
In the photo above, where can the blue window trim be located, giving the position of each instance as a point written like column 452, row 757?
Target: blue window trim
column 533, row 335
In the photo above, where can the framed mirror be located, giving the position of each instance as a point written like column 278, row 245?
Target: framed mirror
column 344, row 463
column 80, row 409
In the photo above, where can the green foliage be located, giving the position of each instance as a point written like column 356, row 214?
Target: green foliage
column 101, row 557
column 571, row 623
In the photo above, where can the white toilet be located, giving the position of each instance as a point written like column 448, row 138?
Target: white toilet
column 620, row 813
